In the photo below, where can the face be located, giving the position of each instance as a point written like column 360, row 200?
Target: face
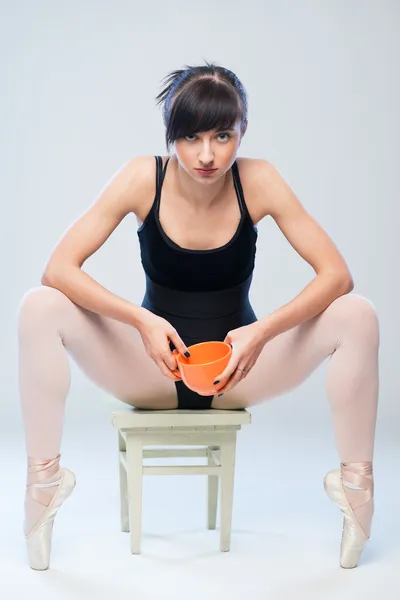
column 215, row 150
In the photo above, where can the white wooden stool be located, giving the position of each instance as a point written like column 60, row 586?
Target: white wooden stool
column 213, row 430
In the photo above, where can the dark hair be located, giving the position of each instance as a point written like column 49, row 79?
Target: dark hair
column 201, row 98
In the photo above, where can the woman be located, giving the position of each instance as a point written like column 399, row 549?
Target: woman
column 197, row 211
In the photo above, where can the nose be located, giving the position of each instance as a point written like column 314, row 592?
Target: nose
column 206, row 155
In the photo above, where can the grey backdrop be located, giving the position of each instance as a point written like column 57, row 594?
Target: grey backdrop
column 78, row 86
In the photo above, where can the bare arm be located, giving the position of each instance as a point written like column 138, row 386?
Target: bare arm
column 125, row 193
column 312, row 243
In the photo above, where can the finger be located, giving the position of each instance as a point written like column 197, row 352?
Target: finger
column 228, row 339
column 169, row 359
column 229, row 370
column 234, row 380
column 165, row 370
column 179, row 344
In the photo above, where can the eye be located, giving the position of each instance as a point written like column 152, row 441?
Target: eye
column 189, row 136
column 227, row 136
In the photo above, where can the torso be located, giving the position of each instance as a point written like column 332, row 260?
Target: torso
column 202, row 229
column 198, row 263
column 189, row 249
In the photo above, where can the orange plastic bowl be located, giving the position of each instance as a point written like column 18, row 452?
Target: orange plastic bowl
column 207, row 360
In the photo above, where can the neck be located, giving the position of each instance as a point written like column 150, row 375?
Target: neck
column 194, row 192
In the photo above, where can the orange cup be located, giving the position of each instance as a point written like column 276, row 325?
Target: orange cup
column 207, row 360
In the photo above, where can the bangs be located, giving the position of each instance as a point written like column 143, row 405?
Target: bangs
column 203, row 105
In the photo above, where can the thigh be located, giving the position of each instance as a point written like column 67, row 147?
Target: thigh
column 288, row 359
column 109, row 352
column 284, row 363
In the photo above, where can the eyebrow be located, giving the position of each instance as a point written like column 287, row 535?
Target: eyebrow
column 216, row 130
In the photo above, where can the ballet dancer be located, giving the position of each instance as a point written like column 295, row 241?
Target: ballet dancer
column 197, row 211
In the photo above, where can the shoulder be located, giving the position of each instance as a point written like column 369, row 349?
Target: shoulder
column 254, row 167
column 258, row 177
column 137, row 181
column 139, row 171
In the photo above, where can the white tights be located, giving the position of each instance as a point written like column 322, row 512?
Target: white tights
column 112, row 355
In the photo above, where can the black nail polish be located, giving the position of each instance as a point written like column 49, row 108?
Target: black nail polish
column 216, row 382
column 187, row 354
column 219, row 395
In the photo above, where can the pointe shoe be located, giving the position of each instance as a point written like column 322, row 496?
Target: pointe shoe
column 354, row 537
column 38, row 540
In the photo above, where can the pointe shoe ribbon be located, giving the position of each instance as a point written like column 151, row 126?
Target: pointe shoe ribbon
column 39, row 471
column 364, row 485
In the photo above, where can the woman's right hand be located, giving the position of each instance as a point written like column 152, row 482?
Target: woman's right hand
column 156, row 334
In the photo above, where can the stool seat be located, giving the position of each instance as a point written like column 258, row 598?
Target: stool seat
column 213, row 432
column 133, row 418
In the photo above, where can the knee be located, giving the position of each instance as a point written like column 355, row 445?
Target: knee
column 39, row 302
column 355, row 304
column 357, row 311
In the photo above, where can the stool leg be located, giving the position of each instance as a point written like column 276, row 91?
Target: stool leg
column 134, row 456
column 123, row 486
column 212, row 491
column 228, row 451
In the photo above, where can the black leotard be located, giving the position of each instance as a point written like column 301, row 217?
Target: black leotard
column 202, row 293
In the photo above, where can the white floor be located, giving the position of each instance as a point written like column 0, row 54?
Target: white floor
column 285, row 534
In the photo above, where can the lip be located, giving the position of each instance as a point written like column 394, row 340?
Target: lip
column 206, row 171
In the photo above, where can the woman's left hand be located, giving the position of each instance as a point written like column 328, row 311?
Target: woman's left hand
column 247, row 343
